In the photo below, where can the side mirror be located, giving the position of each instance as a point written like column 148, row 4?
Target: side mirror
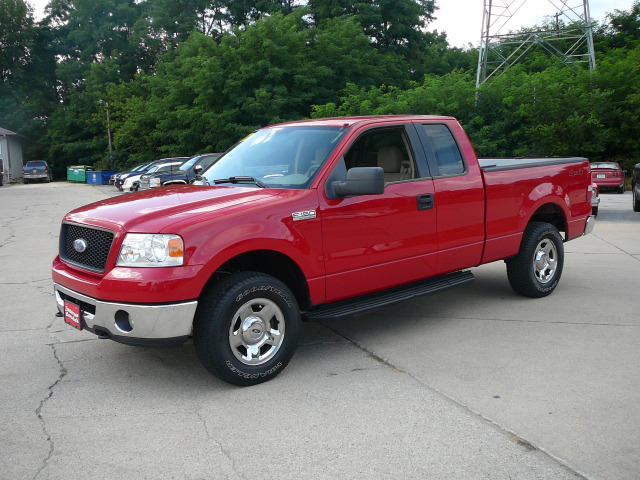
column 637, row 167
column 197, row 169
column 360, row 181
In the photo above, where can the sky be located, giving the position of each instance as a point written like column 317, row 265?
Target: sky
column 462, row 19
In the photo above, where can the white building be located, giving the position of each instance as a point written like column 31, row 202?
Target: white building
column 10, row 154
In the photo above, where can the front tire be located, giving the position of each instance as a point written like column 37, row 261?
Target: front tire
column 536, row 270
column 246, row 328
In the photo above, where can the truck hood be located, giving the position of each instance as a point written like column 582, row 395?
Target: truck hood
column 154, row 211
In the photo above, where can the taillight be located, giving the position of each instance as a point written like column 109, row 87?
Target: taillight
column 46, row 169
column 22, row 169
column 589, row 192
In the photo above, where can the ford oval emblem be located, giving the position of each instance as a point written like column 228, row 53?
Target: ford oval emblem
column 80, row 245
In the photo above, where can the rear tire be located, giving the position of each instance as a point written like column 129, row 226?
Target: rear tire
column 621, row 189
column 25, row 181
column 246, row 328
column 535, row 271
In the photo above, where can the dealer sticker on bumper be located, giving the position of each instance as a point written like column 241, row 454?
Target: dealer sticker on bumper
column 72, row 314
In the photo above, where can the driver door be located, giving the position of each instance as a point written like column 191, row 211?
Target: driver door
column 373, row 242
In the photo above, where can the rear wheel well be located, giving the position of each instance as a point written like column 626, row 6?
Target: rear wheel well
column 550, row 213
column 271, row 263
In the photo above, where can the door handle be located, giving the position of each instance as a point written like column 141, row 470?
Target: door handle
column 425, row 202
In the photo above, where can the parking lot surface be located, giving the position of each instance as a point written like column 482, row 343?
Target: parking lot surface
column 473, row 383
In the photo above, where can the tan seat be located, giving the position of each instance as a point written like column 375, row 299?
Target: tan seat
column 395, row 167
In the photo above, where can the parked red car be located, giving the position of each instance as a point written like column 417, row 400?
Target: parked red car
column 608, row 175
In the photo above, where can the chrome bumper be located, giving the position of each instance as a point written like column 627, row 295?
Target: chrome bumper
column 131, row 323
column 591, row 222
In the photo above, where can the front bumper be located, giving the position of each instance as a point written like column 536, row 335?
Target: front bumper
column 134, row 324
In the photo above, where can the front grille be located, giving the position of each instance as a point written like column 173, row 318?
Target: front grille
column 98, row 243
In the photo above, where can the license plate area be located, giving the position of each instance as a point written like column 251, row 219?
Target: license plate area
column 72, row 314
column 601, row 175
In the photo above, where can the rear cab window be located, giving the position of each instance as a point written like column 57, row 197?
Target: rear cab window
column 442, row 149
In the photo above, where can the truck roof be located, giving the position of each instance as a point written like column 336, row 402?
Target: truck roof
column 350, row 121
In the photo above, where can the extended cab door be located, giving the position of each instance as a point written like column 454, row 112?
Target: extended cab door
column 373, row 242
column 459, row 194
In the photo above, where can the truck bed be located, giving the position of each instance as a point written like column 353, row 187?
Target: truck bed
column 495, row 164
column 537, row 185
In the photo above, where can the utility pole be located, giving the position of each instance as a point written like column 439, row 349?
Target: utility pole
column 570, row 41
column 106, row 104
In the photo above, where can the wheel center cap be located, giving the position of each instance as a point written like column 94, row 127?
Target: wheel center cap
column 541, row 260
column 253, row 329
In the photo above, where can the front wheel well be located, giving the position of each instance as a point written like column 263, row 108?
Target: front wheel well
column 271, row 263
column 550, row 213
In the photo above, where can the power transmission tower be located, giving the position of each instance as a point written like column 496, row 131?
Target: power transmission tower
column 569, row 38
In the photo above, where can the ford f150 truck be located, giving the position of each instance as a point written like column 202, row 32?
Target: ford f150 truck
column 312, row 220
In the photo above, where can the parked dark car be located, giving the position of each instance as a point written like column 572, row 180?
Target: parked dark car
column 119, row 178
column 123, row 177
column 36, row 170
column 608, row 175
column 185, row 174
column 132, row 182
column 635, row 188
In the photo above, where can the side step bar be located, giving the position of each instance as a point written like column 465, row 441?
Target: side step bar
column 387, row 297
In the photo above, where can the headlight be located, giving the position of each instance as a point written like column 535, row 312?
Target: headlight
column 154, row 182
column 151, row 250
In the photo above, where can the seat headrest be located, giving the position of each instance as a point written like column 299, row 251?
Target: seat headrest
column 390, row 158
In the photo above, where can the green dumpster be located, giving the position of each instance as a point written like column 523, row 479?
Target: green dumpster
column 78, row 173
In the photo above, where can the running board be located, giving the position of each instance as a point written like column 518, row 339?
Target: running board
column 387, row 297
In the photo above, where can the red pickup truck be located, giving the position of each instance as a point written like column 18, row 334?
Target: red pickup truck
column 310, row 220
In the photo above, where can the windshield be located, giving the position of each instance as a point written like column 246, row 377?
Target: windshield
column 278, row 157
column 190, row 163
column 141, row 167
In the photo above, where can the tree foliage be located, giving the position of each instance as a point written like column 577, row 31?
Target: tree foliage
column 188, row 76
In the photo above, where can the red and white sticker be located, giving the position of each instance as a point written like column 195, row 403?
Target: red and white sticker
column 72, row 314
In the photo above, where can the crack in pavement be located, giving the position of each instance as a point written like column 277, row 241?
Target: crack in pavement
column 27, row 282
column 218, row 443
column 62, row 374
column 510, row 320
column 618, row 248
column 512, row 436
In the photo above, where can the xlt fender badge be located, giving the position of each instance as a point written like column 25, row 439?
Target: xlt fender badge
column 308, row 215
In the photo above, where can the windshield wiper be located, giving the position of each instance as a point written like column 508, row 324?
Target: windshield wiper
column 240, row 180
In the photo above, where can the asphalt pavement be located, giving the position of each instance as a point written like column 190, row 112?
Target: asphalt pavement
column 473, row 383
